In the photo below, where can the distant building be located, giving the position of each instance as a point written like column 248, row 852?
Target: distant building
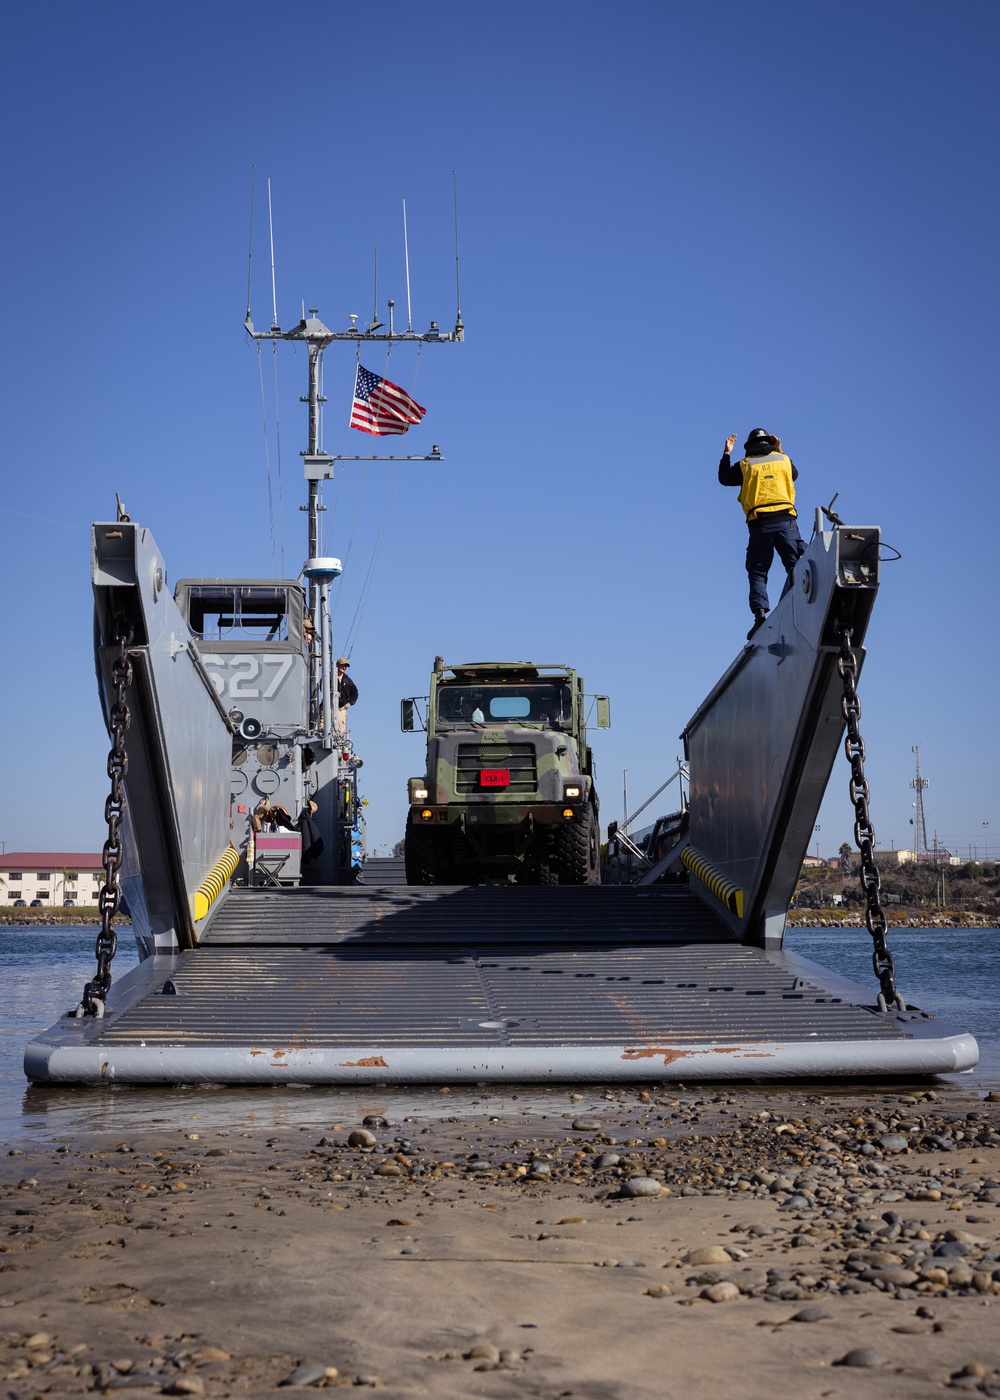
column 894, row 857
column 53, row 877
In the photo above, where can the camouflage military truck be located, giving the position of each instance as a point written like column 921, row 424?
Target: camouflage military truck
column 509, row 790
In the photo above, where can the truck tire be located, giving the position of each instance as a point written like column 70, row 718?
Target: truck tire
column 420, row 853
column 577, row 851
column 548, row 871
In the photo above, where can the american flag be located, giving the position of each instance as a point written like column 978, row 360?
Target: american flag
column 381, row 407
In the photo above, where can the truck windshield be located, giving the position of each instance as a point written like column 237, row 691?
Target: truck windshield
column 498, row 704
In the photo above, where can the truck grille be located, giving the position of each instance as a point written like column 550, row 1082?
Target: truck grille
column 518, row 758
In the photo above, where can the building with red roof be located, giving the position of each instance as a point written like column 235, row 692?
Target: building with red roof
column 51, row 878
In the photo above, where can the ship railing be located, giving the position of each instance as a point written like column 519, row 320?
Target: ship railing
column 627, row 858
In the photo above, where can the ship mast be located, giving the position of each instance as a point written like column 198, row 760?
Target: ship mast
column 320, row 465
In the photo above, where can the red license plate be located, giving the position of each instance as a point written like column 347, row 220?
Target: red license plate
column 494, row 777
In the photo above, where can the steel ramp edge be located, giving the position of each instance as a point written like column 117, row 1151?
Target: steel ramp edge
column 128, row 1047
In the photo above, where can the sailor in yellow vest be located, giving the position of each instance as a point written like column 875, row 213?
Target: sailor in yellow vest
column 764, row 476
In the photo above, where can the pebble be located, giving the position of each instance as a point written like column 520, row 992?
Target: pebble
column 893, row 1142
column 659, row 1290
column 308, row 1374
column 721, row 1293
column 641, row 1186
column 484, row 1351
column 586, row 1125
column 185, row 1385
column 374, row 1120
column 607, row 1159
column 709, row 1254
column 814, row 1314
column 894, row 1274
column 863, row 1356
column 361, row 1137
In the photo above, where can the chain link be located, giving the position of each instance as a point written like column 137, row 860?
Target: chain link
column 95, row 993
column 864, row 832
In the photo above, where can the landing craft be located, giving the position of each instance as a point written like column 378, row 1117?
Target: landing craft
column 234, row 833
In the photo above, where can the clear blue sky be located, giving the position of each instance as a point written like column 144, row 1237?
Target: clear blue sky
column 678, row 221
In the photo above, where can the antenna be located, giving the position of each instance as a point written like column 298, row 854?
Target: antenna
column 458, row 286
column 270, row 222
column 253, row 177
column 406, row 256
column 376, row 324
column 920, row 823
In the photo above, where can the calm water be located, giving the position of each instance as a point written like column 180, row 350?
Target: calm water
column 42, row 971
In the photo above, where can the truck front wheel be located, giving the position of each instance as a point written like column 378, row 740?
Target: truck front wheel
column 577, row 851
column 420, row 853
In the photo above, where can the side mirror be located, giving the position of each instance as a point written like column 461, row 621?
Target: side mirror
column 603, row 712
column 412, row 714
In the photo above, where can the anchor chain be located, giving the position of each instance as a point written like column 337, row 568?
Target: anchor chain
column 95, row 993
column 864, row 832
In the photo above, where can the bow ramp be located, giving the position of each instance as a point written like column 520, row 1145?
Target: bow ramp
column 406, row 985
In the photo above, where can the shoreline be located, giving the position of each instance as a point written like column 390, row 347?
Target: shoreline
column 807, row 918
column 797, row 918
column 73, row 918
column 768, row 1236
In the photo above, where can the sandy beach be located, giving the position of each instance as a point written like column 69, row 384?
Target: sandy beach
column 810, row 1243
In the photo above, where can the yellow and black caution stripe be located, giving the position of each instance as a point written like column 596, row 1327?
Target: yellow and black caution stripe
column 725, row 891
column 215, row 882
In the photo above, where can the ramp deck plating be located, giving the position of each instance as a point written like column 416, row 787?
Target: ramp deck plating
column 492, row 983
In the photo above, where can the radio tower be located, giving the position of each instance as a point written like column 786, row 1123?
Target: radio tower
column 919, row 821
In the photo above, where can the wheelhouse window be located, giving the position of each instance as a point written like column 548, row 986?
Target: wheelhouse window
column 550, row 704
column 234, row 613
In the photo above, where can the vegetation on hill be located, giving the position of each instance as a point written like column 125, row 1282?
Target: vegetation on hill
column 952, row 893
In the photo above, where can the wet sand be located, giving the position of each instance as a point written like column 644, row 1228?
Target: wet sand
column 466, row 1256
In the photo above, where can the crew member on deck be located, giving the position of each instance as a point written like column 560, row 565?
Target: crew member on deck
column 764, row 475
column 347, row 693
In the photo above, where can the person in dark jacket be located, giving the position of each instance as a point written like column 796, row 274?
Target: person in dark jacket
column 764, row 475
column 347, row 692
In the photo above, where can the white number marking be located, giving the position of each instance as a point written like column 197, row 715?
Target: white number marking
column 243, row 670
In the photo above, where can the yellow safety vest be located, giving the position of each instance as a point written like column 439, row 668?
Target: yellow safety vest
column 767, row 485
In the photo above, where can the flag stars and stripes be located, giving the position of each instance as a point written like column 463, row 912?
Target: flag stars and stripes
column 381, row 407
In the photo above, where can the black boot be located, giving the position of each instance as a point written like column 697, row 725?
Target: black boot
column 758, row 617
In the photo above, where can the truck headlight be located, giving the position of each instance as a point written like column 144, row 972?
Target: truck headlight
column 418, row 790
column 572, row 790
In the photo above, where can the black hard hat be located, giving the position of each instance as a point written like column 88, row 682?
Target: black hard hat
column 756, row 438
